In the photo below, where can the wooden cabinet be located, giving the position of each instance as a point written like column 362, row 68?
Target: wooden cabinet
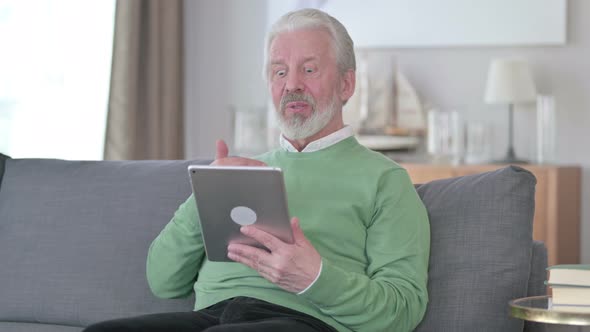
column 557, row 203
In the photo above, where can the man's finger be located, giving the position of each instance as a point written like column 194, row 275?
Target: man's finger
column 222, row 150
column 238, row 161
column 258, row 266
column 266, row 239
column 247, row 255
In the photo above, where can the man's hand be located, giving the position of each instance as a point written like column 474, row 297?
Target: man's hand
column 292, row 267
column 222, row 159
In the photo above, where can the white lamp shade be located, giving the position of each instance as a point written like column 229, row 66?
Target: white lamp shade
column 509, row 81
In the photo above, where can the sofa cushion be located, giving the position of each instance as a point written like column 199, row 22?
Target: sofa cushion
column 74, row 237
column 32, row 327
column 538, row 274
column 480, row 256
column 537, row 279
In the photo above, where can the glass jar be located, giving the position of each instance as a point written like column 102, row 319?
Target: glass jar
column 249, row 128
column 545, row 129
column 444, row 137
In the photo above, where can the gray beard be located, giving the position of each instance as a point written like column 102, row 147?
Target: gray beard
column 300, row 127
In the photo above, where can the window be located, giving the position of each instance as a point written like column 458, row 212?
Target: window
column 55, row 62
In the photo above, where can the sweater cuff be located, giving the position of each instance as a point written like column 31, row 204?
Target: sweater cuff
column 316, row 279
column 325, row 289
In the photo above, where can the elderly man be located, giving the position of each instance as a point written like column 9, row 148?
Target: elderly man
column 360, row 257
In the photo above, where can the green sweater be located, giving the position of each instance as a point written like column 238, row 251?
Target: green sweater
column 361, row 213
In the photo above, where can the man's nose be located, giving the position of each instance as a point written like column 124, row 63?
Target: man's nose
column 294, row 82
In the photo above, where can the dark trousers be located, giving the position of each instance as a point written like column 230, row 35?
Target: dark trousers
column 237, row 314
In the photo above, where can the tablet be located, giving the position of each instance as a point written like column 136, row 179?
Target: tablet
column 231, row 197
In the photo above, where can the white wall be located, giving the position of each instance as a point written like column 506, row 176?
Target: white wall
column 454, row 78
column 409, row 23
column 224, row 51
column 225, row 70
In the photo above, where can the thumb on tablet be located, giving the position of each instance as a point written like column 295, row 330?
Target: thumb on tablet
column 297, row 231
column 222, row 150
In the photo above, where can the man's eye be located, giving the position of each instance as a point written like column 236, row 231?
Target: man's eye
column 280, row 73
column 309, row 70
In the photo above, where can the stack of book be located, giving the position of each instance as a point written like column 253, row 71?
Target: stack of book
column 570, row 287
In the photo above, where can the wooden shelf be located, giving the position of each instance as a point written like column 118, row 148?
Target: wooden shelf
column 557, row 202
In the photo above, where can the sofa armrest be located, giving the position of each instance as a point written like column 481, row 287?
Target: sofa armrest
column 537, row 279
column 538, row 273
column 535, row 327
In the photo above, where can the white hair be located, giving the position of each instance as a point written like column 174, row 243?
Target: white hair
column 314, row 19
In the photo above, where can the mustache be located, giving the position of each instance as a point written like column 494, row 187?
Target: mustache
column 294, row 96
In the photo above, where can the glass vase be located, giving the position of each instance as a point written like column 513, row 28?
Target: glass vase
column 545, row 129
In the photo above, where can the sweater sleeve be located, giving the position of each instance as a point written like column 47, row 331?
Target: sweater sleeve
column 175, row 256
column 392, row 294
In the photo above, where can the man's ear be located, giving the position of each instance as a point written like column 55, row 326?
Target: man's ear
column 347, row 85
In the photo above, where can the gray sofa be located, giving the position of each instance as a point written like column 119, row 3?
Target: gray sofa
column 74, row 237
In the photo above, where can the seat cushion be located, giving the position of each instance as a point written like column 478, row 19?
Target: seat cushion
column 480, row 256
column 74, row 237
column 32, row 327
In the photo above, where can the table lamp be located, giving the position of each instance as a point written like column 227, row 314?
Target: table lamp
column 510, row 82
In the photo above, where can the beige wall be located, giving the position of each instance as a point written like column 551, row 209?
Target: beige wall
column 225, row 70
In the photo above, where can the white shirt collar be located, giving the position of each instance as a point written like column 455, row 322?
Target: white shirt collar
column 321, row 143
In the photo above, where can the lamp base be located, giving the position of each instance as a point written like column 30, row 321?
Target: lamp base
column 510, row 161
column 510, row 157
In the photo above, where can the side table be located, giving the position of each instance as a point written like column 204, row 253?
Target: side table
column 538, row 309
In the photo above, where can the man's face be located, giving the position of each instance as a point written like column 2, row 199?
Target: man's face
column 305, row 84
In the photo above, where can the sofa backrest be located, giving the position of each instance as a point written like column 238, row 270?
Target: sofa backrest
column 74, row 237
column 3, row 158
column 481, row 249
